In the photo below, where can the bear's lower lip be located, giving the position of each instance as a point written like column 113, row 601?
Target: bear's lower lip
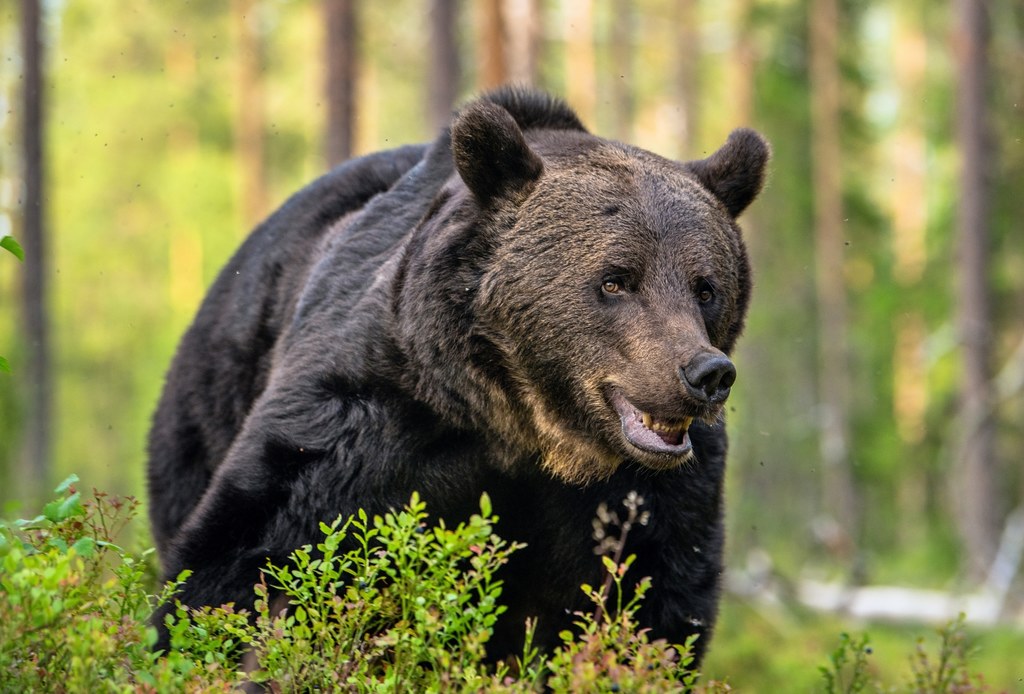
column 668, row 437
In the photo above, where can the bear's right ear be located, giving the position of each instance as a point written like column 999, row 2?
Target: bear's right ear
column 735, row 173
column 491, row 154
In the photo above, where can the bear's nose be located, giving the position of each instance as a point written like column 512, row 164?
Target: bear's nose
column 708, row 377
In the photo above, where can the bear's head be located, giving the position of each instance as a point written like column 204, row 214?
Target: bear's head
column 604, row 285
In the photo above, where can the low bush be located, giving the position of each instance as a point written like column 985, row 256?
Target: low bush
column 410, row 609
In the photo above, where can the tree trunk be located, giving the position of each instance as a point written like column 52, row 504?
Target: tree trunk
column 341, row 47
column 524, row 40
column 446, row 68
column 37, row 449
column 491, row 45
column 251, row 121
column 975, row 483
column 744, row 60
column 840, row 492
column 909, row 213
column 623, row 25
column 581, row 68
column 688, row 75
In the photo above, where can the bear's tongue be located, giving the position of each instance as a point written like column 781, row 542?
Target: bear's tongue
column 648, row 433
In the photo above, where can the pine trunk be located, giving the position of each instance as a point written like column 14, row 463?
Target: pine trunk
column 250, row 121
column 341, row 55
column 840, row 494
column 687, row 79
column 446, row 68
column 581, row 67
column 491, row 45
column 975, row 482
column 622, row 81
column 37, row 449
column 524, row 40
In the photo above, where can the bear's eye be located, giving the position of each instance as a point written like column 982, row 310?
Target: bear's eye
column 612, row 285
column 705, row 292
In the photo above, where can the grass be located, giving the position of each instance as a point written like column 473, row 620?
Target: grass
column 410, row 609
column 775, row 648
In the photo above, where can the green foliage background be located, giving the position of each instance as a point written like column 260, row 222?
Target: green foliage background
column 144, row 201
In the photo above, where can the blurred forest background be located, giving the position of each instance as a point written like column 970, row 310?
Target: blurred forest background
column 877, row 426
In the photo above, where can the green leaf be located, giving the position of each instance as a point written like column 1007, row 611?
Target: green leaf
column 13, row 246
column 22, row 522
column 62, row 509
column 84, row 547
column 609, row 565
column 66, row 484
column 4, row 365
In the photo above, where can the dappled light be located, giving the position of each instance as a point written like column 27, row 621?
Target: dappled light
column 876, row 423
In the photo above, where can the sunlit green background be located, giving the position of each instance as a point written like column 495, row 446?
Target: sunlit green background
column 144, row 182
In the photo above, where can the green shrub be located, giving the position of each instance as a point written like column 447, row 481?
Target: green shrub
column 948, row 673
column 75, row 604
column 410, row 609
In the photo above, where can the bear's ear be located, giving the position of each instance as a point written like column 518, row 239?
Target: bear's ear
column 491, row 154
column 735, row 173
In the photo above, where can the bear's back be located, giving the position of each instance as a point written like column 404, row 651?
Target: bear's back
column 222, row 362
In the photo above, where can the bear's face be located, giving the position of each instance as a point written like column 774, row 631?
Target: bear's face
column 617, row 285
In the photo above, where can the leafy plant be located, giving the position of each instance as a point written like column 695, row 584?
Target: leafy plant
column 9, row 244
column 410, row 609
column 949, row 672
column 388, row 603
column 847, row 671
column 610, row 651
column 74, row 603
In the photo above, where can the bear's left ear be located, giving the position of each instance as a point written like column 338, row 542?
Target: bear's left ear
column 491, row 154
column 735, row 173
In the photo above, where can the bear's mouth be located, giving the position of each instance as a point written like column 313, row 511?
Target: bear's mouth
column 649, row 433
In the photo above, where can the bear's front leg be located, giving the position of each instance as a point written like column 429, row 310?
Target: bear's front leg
column 248, row 512
column 224, row 543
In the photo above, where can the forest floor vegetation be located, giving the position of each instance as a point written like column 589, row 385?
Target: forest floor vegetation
column 409, row 609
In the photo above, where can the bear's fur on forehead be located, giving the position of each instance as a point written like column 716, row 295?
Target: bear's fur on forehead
column 520, row 308
column 533, row 109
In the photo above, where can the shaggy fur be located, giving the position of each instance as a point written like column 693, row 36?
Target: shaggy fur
column 491, row 312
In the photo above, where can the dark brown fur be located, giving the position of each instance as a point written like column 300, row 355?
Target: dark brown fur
column 466, row 318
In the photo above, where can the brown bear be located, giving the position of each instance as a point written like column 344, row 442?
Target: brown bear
column 520, row 308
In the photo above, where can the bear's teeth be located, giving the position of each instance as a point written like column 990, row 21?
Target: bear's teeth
column 665, row 426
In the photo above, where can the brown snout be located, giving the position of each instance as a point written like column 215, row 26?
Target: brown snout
column 708, row 377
